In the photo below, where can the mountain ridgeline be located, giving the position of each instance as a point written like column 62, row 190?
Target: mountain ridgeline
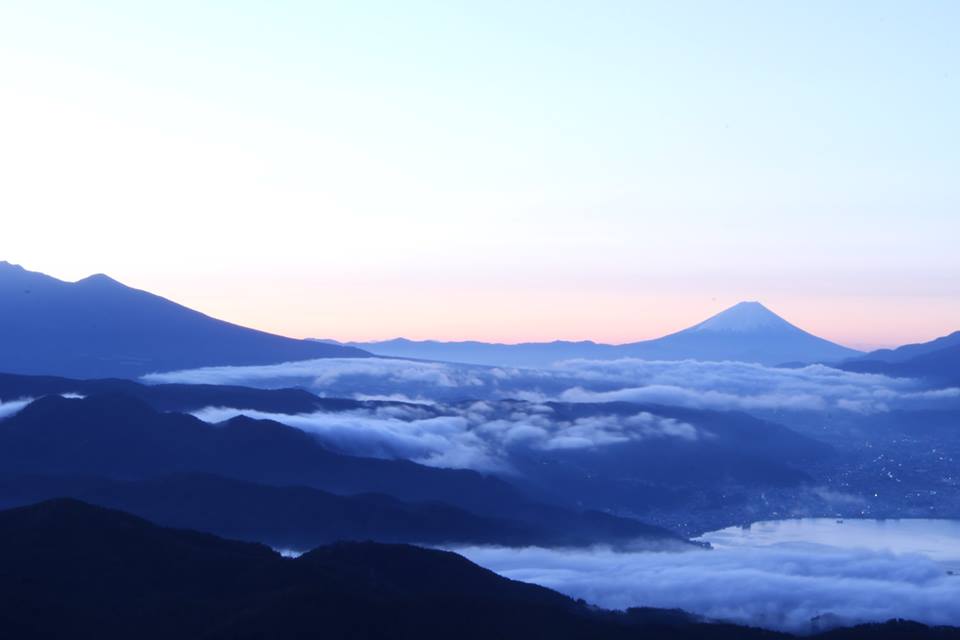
column 746, row 332
column 264, row 481
column 98, row 327
column 129, row 431
column 143, row 510
column 72, row 570
column 937, row 361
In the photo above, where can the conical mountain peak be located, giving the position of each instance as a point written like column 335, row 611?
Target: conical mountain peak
column 99, row 279
column 743, row 317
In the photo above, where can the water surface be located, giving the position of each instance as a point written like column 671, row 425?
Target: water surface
column 936, row 539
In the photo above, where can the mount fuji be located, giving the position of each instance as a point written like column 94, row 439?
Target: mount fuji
column 746, row 332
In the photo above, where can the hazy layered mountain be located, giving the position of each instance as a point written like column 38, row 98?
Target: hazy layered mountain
column 94, row 442
column 672, row 480
column 71, row 570
column 303, row 517
column 938, row 361
column 747, row 332
column 910, row 351
column 123, row 438
column 98, row 327
column 660, row 456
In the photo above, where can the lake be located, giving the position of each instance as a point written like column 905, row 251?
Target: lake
column 936, row 539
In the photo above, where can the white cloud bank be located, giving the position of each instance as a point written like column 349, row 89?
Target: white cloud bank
column 324, row 372
column 482, row 438
column 473, row 437
column 740, row 386
column 689, row 383
column 12, row 407
column 779, row 587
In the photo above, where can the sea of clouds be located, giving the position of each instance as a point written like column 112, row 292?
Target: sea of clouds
column 778, row 586
column 476, row 436
column 452, row 417
column 687, row 383
column 457, row 416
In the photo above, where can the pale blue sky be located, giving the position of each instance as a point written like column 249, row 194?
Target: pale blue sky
column 521, row 170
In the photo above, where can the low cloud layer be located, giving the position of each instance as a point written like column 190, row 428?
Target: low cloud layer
column 779, row 587
column 445, row 433
column 327, row 373
column 476, row 436
column 12, row 407
column 741, row 386
column 694, row 384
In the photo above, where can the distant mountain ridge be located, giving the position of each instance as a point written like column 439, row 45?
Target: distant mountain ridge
column 116, row 449
column 747, row 332
column 626, row 478
column 910, row 351
column 937, row 361
column 300, row 518
column 98, row 327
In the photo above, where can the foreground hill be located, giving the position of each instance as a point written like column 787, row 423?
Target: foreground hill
column 71, row 570
column 97, row 327
column 746, row 332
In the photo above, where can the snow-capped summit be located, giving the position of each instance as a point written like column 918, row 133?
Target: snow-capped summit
column 742, row 317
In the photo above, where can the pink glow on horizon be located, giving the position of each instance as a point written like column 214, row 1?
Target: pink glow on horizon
column 346, row 307
column 610, row 317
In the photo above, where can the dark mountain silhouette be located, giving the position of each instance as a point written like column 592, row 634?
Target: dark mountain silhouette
column 747, row 332
column 71, row 570
column 97, row 327
column 938, row 367
column 303, row 517
column 118, row 437
column 937, row 361
column 737, row 449
column 124, row 438
column 910, row 351
column 891, row 630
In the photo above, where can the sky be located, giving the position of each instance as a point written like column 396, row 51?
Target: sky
column 503, row 171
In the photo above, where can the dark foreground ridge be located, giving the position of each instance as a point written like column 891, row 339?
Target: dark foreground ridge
column 71, row 570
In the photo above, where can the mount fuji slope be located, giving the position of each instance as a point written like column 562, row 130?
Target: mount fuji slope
column 747, row 332
column 98, row 327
